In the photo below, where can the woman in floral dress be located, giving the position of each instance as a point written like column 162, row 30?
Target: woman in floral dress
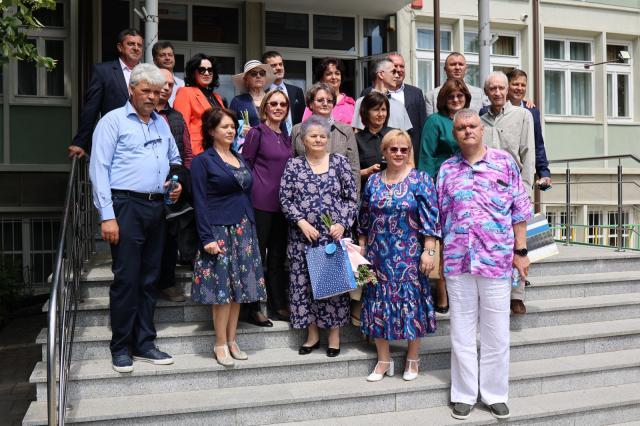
column 228, row 269
column 397, row 232
column 315, row 184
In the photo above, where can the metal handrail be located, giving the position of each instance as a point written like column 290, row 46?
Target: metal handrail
column 568, row 184
column 74, row 247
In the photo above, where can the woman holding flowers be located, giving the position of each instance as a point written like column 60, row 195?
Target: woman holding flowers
column 314, row 185
column 397, row 233
column 228, row 269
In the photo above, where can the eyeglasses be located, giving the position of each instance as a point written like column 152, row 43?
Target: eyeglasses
column 454, row 97
column 274, row 104
column 205, row 70
column 324, row 100
column 261, row 73
column 395, row 150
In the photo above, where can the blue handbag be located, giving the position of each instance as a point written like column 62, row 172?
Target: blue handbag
column 330, row 270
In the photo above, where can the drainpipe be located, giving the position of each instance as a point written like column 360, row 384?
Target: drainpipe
column 484, row 37
column 537, row 81
column 436, row 43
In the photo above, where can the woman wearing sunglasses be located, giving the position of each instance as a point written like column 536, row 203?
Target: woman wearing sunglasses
column 251, row 83
column 397, row 233
column 266, row 150
column 201, row 79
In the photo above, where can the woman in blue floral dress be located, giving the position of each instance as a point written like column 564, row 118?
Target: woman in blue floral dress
column 315, row 184
column 397, row 231
column 228, row 268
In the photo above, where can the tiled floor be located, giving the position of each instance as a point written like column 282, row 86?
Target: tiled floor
column 19, row 355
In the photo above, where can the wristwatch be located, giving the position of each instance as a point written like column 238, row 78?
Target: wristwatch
column 521, row 252
column 430, row 252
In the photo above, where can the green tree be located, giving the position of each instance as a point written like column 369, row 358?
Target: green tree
column 17, row 16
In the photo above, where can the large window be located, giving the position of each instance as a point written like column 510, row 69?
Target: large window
column 568, row 87
column 619, row 96
column 505, row 54
column 285, row 29
column 424, row 53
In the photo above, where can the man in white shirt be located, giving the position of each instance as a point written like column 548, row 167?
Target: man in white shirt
column 164, row 57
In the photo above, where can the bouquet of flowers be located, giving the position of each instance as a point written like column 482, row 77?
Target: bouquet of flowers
column 242, row 122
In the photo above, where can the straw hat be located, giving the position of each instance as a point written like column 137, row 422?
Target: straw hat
column 238, row 79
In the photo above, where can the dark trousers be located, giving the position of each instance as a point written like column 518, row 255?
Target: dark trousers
column 136, row 269
column 169, row 259
column 272, row 240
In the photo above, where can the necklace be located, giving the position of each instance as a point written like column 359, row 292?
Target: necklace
column 315, row 164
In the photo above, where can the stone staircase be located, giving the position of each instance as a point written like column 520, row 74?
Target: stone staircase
column 575, row 359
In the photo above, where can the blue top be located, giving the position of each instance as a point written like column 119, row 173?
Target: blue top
column 129, row 154
column 542, row 164
column 245, row 102
column 218, row 197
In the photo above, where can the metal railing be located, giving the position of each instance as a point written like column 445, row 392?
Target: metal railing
column 74, row 248
column 568, row 183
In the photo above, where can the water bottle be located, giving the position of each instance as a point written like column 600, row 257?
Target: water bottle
column 515, row 278
column 173, row 183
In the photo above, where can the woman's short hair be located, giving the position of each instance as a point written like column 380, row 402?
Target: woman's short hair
column 314, row 121
column 398, row 135
column 373, row 99
column 450, row 86
column 265, row 103
column 211, row 119
column 322, row 66
column 191, row 69
column 315, row 88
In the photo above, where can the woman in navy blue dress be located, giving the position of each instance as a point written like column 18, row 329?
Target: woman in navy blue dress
column 397, row 232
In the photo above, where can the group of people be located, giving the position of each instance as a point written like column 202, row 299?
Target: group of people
column 424, row 184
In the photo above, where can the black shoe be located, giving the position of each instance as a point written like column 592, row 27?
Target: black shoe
column 333, row 352
column 155, row 356
column 279, row 317
column 255, row 321
column 461, row 411
column 527, row 283
column 306, row 350
column 122, row 363
column 499, row 410
column 442, row 309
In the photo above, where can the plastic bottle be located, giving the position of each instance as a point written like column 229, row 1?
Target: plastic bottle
column 172, row 185
column 515, row 278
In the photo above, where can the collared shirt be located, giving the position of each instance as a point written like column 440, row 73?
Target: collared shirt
column 129, row 154
column 126, row 71
column 398, row 117
column 178, row 84
column 398, row 94
column 479, row 203
column 512, row 130
column 283, row 88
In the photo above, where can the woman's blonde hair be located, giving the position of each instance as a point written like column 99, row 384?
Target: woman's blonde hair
column 396, row 135
column 262, row 111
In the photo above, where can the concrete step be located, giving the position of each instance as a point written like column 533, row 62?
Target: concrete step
column 96, row 379
column 597, row 406
column 325, row 399
column 583, row 285
column 586, row 260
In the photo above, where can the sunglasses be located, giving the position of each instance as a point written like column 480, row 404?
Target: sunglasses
column 205, row 70
column 274, row 104
column 395, row 150
column 257, row 73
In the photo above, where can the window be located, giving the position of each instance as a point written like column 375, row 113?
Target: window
column 334, row 33
column 173, row 20
column 568, row 86
column 36, row 81
column 424, row 53
column 619, row 96
column 215, row 24
column 471, row 42
column 558, row 223
column 426, row 39
column 595, row 231
column 505, row 55
column 504, row 46
column 612, row 215
column 374, row 37
column 287, row 29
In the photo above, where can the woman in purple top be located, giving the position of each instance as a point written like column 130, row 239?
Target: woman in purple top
column 266, row 150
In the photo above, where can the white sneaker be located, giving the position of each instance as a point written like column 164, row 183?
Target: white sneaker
column 376, row 377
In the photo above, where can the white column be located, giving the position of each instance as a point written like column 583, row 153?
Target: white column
column 150, row 29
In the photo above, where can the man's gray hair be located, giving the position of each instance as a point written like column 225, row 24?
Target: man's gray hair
column 498, row 74
column 146, row 72
column 314, row 121
column 465, row 113
column 377, row 67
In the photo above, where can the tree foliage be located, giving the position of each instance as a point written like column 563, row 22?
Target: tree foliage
column 16, row 17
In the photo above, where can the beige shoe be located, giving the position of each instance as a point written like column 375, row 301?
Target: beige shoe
column 226, row 361
column 236, row 352
column 409, row 373
column 172, row 294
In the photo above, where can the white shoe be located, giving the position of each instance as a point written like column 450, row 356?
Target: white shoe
column 408, row 373
column 235, row 351
column 226, row 361
column 376, row 377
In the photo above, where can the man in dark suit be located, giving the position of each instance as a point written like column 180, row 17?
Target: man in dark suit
column 294, row 93
column 413, row 100
column 108, row 88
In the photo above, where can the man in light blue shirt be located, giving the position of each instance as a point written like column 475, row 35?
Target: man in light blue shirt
column 133, row 149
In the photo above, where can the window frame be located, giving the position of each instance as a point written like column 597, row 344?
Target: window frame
column 495, row 60
column 616, row 69
column 427, row 55
column 568, row 67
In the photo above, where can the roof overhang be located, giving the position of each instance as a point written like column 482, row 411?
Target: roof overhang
column 372, row 8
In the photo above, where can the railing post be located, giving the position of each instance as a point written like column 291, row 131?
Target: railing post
column 568, row 204
column 620, row 242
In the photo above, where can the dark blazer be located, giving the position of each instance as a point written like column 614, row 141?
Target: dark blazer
column 296, row 102
column 107, row 91
column 542, row 164
column 417, row 111
column 218, row 198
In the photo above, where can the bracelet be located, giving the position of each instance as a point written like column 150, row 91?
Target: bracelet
column 430, row 252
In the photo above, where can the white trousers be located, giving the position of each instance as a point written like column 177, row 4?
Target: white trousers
column 474, row 299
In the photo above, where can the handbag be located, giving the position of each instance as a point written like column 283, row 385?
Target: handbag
column 330, row 270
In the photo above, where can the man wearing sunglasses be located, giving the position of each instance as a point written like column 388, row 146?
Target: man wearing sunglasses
column 294, row 93
column 108, row 88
